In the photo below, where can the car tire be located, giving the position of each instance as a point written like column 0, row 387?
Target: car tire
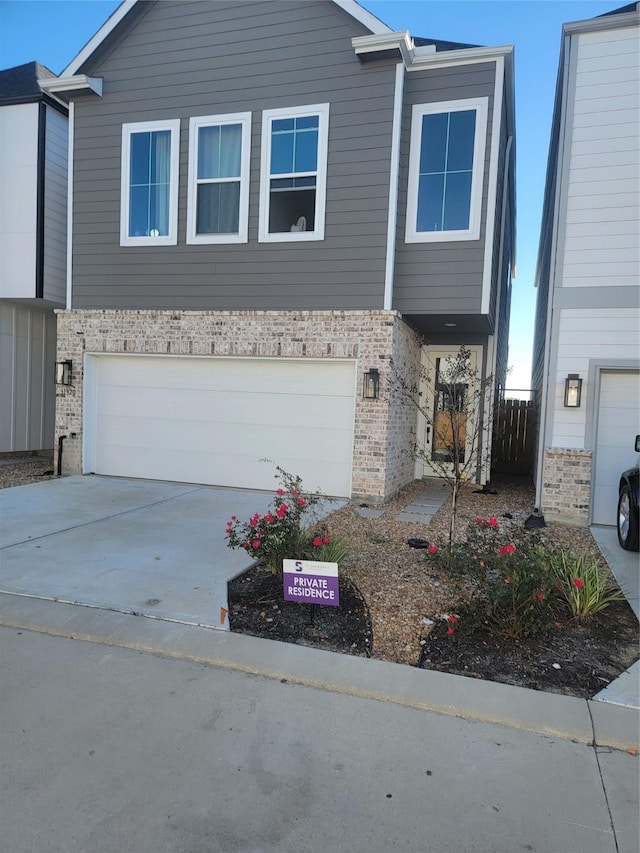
column 627, row 520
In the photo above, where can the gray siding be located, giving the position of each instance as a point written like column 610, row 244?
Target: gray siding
column 55, row 207
column 182, row 59
column 27, row 355
column 441, row 278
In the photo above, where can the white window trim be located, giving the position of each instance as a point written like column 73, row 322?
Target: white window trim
column 195, row 123
column 268, row 116
column 481, row 106
column 171, row 239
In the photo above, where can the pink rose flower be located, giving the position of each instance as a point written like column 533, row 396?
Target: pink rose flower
column 433, row 549
column 578, row 583
column 317, row 541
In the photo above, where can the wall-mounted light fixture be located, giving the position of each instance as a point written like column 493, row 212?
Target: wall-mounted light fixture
column 63, row 372
column 371, row 386
column 572, row 391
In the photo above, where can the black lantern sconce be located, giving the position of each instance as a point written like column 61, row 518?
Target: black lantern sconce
column 371, row 386
column 63, row 372
column 572, row 391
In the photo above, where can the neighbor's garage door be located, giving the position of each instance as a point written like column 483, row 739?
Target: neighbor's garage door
column 618, row 417
column 208, row 420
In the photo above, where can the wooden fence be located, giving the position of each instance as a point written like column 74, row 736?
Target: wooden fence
column 514, row 429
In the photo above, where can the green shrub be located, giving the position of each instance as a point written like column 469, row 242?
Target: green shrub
column 280, row 533
column 328, row 549
column 586, row 587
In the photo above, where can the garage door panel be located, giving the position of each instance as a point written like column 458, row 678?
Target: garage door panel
column 617, row 425
column 210, row 421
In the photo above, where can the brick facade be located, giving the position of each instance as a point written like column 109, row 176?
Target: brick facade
column 566, row 487
column 384, row 433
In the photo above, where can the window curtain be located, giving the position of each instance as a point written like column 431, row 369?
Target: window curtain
column 219, row 154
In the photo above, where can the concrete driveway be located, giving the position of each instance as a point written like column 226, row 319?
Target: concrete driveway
column 145, row 547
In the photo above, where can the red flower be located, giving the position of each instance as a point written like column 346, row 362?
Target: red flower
column 507, row 549
column 268, row 518
column 280, row 492
column 540, row 596
column 578, row 583
column 282, row 510
column 295, row 494
column 558, row 624
column 493, row 522
column 433, row 549
column 478, row 519
column 245, row 545
column 300, row 502
column 234, row 518
column 326, row 540
column 450, row 629
column 317, row 541
column 452, row 618
column 256, row 543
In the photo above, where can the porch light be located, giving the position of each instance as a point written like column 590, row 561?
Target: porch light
column 371, row 386
column 63, row 372
column 572, row 391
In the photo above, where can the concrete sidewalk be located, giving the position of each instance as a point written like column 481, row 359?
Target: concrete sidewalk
column 220, row 742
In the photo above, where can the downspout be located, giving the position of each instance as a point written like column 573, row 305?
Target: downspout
column 553, row 256
column 396, row 132
column 61, row 438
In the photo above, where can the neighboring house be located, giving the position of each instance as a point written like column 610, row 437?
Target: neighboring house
column 33, row 240
column 271, row 200
column 588, row 315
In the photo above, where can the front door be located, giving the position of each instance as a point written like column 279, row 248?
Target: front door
column 445, row 422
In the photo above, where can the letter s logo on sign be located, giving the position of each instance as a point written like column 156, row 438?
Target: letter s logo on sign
column 298, row 566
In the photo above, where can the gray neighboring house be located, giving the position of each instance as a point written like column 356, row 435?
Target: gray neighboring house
column 273, row 201
column 33, row 241
column 588, row 308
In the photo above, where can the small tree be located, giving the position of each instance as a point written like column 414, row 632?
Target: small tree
column 456, row 419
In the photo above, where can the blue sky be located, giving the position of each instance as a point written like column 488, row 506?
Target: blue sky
column 54, row 31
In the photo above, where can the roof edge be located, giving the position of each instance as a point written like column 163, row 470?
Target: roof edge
column 351, row 7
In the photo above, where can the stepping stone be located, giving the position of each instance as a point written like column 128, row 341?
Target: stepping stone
column 423, row 517
column 368, row 512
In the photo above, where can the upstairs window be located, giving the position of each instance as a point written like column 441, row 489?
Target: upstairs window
column 446, row 166
column 218, row 197
column 293, row 173
column 149, row 183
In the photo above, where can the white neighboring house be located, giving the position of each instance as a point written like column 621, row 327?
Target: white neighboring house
column 33, row 223
column 588, row 277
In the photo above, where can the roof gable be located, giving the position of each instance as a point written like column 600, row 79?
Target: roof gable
column 351, row 7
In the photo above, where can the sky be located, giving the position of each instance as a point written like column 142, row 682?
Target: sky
column 54, row 31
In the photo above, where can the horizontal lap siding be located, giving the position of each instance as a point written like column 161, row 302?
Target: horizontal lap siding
column 601, row 245
column 187, row 59
column 433, row 278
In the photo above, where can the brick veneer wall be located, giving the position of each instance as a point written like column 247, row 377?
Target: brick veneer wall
column 566, row 485
column 383, row 433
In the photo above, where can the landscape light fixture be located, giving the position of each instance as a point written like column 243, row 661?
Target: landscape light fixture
column 572, row 391
column 63, row 372
column 371, row 386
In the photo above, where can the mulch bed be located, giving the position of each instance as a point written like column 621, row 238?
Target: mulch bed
column 577, row 659
column 256, row 607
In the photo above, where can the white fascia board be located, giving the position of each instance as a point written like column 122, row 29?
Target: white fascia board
column 401, row 41
column 110, row 24
column 76, row 83
column 363, row 16
column 423, row 57
column 605, row 22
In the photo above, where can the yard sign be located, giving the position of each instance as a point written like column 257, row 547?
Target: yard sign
column 311, row 582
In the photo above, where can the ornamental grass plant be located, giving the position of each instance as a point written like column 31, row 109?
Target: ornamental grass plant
column 585, row 587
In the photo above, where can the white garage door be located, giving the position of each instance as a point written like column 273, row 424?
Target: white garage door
column 618, row 425
column 211, row 421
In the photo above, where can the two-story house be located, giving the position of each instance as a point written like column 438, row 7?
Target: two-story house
column 33, row 253
column 276, row 205
column 586, row 365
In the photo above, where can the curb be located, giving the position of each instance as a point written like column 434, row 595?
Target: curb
column 567, row 717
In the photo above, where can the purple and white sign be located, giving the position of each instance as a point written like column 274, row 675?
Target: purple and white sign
column 311, row 582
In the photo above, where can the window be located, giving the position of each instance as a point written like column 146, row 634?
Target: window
column 218, row 198
column 293, row 173
column 446, row 166
column 149, row 189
